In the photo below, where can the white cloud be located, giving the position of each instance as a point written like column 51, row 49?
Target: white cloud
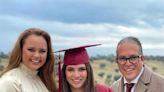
column 154, row 46
column 75, row 34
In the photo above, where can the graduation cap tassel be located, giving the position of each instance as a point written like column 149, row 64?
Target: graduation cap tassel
column 60, row 75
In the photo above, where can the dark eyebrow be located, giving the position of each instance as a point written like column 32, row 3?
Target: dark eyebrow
column 128, row 56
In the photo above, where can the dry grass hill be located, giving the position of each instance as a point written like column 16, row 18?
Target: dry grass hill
column 106, row 72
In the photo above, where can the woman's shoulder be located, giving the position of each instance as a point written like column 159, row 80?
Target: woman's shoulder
column 11, row 76
column 102, row 88
column 9, row 83
column 11, row 73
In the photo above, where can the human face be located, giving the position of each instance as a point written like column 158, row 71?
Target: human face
column 134, row 62
column 34, row 52
column 76, row 75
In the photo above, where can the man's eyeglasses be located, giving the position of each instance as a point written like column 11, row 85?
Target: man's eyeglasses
column 132, row 59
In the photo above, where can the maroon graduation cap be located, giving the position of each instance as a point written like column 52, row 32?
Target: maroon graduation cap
column 77, row 55
column 74, row 56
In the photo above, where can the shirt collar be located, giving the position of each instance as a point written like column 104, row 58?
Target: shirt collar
column 27, row 71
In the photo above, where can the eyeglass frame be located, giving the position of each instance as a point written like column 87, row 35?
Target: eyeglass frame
column 132, row 59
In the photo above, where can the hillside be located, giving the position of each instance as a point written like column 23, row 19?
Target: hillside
column 106, row 72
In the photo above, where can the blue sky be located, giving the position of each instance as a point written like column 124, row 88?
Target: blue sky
column 73, row 23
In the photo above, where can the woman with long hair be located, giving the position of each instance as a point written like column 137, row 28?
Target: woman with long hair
column 31, row 64
column 77, row 73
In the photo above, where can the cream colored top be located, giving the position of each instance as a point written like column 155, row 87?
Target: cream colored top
column 21, row 79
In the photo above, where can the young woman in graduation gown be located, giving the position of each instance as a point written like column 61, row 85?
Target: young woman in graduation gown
column 77, row 73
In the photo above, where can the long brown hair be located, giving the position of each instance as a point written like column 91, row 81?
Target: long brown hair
column 46, row 72
column 88, row 85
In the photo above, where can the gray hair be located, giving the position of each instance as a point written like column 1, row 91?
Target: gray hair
column 131, row 39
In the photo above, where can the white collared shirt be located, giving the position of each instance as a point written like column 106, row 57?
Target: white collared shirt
column 133, row 81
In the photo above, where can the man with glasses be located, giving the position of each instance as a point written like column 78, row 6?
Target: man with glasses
column 136, row 77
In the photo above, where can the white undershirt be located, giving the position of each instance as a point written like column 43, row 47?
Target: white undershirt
column 133, row 81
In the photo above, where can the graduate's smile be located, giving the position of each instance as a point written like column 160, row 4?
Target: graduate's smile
column 76, row 75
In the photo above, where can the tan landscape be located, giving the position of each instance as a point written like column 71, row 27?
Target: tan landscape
column 106, row 72
column 110, row 72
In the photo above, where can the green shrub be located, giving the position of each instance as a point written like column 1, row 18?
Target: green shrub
column 116, row 77
column 116, row 70
column 1, row 67
column 101, row 74
column 154, row 68
column 102, row 66
column 108, row 79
